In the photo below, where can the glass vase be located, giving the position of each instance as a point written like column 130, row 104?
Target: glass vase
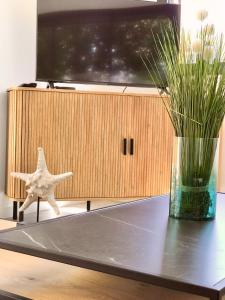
column 194, row 178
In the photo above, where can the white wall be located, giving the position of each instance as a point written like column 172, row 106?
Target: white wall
column 216, row 9
column 17, row 61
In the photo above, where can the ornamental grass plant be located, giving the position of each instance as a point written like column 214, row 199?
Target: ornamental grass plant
column 195, row 82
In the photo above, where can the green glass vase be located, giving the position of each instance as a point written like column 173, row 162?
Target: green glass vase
column 194, row 178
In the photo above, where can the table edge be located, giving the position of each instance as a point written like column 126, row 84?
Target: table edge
column 170, row 283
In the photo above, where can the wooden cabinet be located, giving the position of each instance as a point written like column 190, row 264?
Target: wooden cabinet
column 84, row 132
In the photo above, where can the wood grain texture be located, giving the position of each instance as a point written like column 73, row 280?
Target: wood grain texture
column 83, row 132
column 40, row 279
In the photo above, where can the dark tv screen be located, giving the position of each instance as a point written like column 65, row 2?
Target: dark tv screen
column 100, row 42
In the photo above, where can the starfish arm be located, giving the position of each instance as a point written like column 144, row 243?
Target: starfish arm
column 29, row 200
column 22, row 176
column 61, row 177
column 51, row 200
column 41, row 165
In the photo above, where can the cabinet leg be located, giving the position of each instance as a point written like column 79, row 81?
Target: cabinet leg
column 88, row 205
column 15, row 210
column 21, row 214
column 38, row 209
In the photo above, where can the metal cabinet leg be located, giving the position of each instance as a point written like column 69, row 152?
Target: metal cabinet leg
column 15, row 210
column 21, row 214
column 38, row 209
column 88, row 205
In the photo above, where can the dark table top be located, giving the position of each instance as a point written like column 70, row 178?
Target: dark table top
column 135, row 240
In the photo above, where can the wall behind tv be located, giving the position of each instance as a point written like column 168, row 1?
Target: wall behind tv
column 18, row 52
column 17, row 61
column 215, row 10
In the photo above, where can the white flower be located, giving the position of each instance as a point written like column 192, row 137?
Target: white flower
column 208, row 53
column 209, row 29
column 197, row 46
column 202, row 14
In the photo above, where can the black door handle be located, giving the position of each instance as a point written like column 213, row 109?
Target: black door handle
column 131, row 146
column 124, row 146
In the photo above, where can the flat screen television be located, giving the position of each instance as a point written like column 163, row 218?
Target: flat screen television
column 99, row 41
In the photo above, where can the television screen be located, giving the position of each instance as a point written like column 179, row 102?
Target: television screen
column 100, row 41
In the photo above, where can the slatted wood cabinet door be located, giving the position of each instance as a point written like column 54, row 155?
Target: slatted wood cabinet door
column 150, row 162
column 84, row 132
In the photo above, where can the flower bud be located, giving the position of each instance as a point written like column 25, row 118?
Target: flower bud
column 202, row 14
column 197, row 46
column 208, row 53
column 209, row 29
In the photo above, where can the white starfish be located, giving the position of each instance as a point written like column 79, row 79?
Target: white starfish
column 41, row 183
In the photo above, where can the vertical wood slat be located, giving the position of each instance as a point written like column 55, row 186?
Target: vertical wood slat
column 83, row 132
column 11, row 134
column 18, row 140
